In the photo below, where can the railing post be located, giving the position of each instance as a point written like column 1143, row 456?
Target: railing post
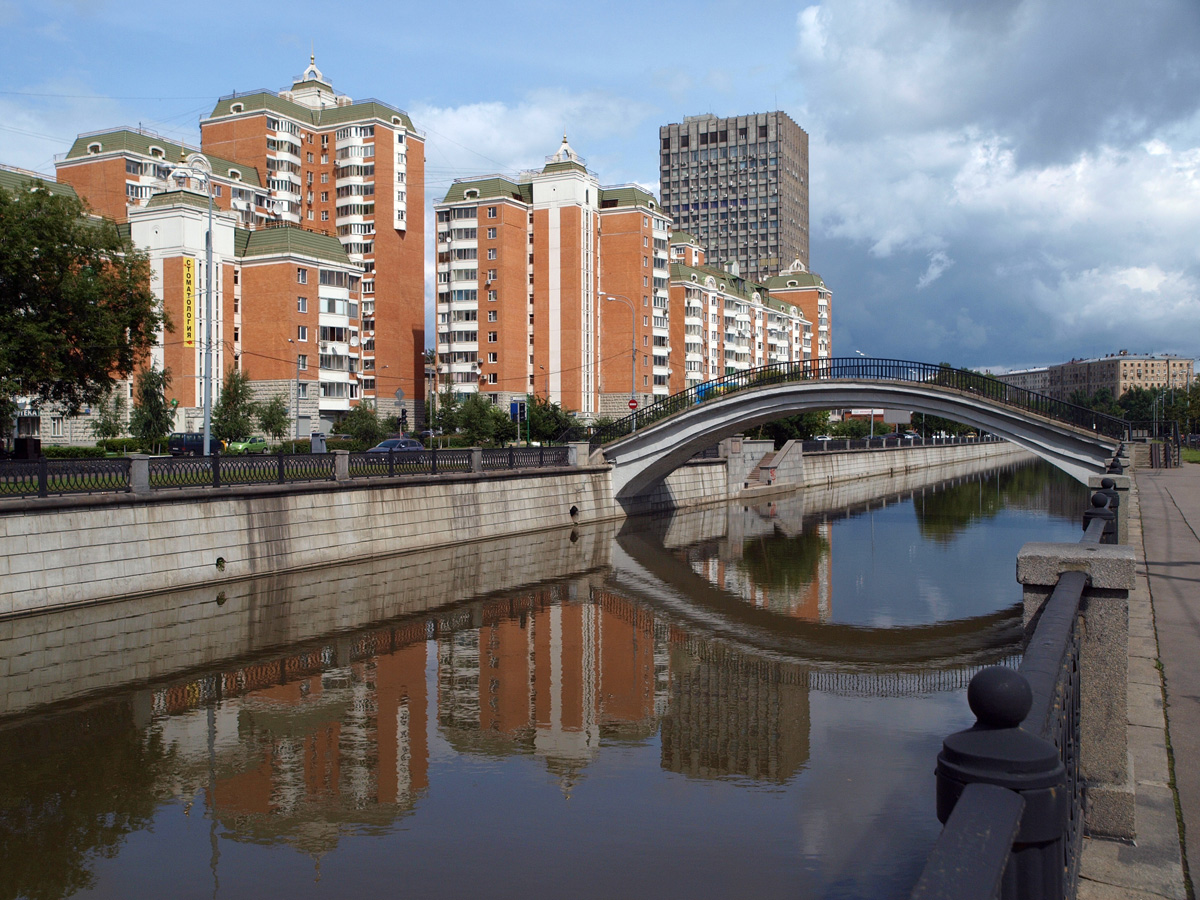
column 341, row 465
column 281, row 471
column 1114, row 486
column 476, row 459
column 433, row 463
column 997, row 750
column 511, row 463
column 1099, row 509
column 43, row 477
column 391, row 460
column 1103, row 656
column 139, row 473
column 216, row 468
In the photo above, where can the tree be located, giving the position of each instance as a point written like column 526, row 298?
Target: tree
column 233, row 415
column 274, row 417
column 547, row 421
column 851, row 428
column 484, row 423
column 153, row 417
column 110, row 419
column 76, row 310
column 800, row 427
column 362, row 424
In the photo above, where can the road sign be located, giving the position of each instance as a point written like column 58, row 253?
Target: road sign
column 632, row 403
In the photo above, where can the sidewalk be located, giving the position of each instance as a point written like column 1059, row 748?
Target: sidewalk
column 1164, row 624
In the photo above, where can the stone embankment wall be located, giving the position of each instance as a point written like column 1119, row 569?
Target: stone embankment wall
column 62, row 552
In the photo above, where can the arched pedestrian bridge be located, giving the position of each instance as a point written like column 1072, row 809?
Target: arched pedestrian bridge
column 649, row 444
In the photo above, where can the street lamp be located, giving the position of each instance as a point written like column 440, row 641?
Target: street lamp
column 872, row 412
column 633, row 360
column 291, row 341
column 197, row 168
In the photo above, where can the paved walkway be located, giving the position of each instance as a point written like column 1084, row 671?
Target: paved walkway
column 1164, row 626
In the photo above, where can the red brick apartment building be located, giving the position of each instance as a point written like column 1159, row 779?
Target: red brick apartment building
column 318, row 244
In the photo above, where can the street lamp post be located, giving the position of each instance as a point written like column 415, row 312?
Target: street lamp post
column 633, row 360
column 291, row 341
column 872, row 412
column 197, row 168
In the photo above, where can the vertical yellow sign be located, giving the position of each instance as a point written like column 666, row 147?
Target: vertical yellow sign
column 189, row 302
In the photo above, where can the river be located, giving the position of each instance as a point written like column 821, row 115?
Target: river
column 734, row 701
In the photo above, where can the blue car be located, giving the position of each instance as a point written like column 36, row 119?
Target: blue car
column 397, row 445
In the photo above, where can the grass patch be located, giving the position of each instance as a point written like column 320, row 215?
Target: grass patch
column 1190, row 455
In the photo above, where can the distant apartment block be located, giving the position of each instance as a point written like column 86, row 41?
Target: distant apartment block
column 1116, row 373
column 740, row 185
column 555, row 285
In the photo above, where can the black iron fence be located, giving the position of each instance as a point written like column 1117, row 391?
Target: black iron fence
column 1008, row 789
column 865, row 369
column 51, row 477
column 838, row 444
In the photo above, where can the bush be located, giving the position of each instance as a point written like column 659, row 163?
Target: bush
column 121, row 445
column 56, row 452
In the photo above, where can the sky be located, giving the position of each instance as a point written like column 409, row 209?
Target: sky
column 996, row 185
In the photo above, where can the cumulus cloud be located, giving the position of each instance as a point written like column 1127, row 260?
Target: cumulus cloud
column 1005, row 142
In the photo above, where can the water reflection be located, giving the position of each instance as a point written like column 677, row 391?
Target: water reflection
column 614, row 711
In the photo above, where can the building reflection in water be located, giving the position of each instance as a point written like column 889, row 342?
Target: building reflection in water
column 332, row 736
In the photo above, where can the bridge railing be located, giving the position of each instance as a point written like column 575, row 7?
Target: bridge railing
column 868, row 369
column 1009, row 790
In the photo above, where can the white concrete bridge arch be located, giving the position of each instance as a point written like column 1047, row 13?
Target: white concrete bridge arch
column 643, row 458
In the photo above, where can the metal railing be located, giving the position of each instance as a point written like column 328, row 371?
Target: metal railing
column 51, row 477
column 839, row 444
column 865, row 369
column 408, row 462
column 1009, row 790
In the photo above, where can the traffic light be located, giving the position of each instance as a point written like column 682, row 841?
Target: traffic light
column 404, row 420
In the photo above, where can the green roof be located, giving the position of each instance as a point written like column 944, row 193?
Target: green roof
column 125, row 140
column 802, row 279
column 15, row 181
column 626, row 196
column 683, row 237
column 292, row 241
column 241, row 240
column 265, row 101
column 734, row 284
column 564, row 165
column 170, row 198
column 489, row 189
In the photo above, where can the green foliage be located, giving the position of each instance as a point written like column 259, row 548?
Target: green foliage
column 851, row 428
column 111, row 415
column 234, row 413
column 120, row 445
column 802, row 427
column 52, row 452
column 445, row 416
column 1101, row 402
column 546, row 420
column 76, row 309
column 274, row 417
column 362, row 425
column 153, row 417
column 484, row 424
column 784, row 564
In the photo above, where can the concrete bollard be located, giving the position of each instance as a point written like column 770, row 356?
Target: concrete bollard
column 341, row 465
column 139, row 473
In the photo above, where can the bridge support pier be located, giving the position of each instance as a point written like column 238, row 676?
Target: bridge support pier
column 1103, row 669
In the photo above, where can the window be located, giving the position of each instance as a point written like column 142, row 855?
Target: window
column 324, row 196
column 491, row 212
column 324, row 178
column 645, row 320
column 302, row 276
column 491, row 253
column 302, row 333
column 491, row 295
column 302, row 304
column 324, row 215
column 302, row 363
column 56, row 426
column 491, row 275
column 492, row 337
column 491, row 377
column 491, row 233
column 491, row 357
column 491, row 315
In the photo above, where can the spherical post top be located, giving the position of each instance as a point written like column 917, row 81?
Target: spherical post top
column 1099, row 500
column 1107, row 484
column 1000, row 697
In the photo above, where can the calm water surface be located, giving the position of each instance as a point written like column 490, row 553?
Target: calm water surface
column 730, row 702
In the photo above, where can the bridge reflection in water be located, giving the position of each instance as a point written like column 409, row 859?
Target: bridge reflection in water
column 373, row 714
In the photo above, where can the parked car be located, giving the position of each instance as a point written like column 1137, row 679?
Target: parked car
column 397, row 445
column 256, row 444
column 191, row 443
column 822, row 437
